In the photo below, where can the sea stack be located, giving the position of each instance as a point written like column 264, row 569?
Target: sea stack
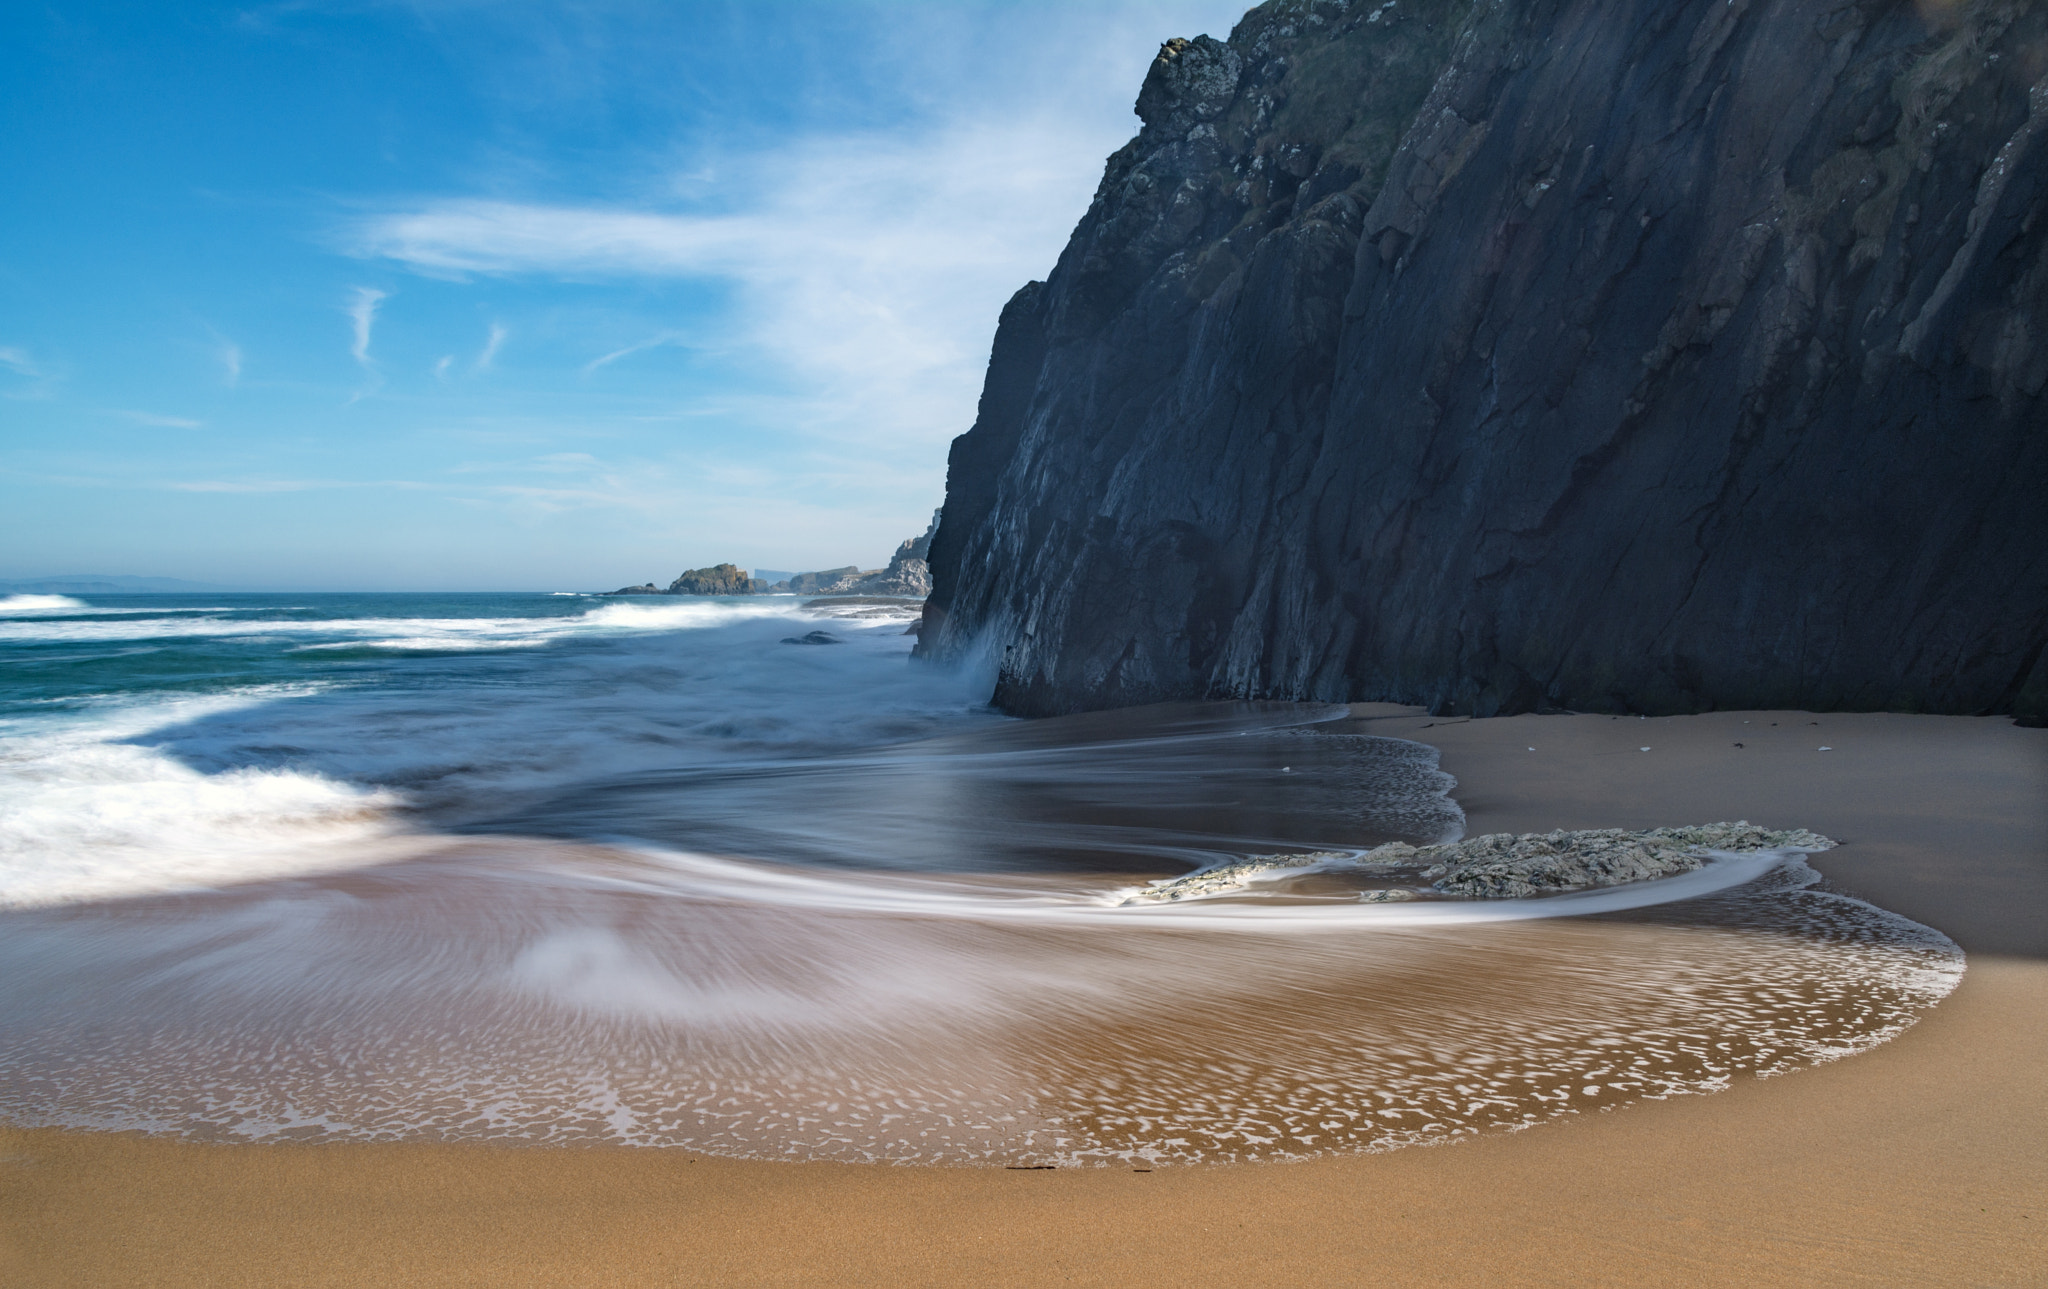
column 1643, row 355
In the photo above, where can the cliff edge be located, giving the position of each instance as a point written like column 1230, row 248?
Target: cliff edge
column 1624, row 355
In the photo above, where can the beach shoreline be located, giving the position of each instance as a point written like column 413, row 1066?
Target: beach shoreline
column 1917, row 1161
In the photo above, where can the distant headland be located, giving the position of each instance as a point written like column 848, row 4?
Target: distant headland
column 906, row 576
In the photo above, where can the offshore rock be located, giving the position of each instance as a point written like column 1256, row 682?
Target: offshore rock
column 1630, row 355
column 719, row 579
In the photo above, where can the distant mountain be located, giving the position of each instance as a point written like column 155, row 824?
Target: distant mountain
column 104, row 584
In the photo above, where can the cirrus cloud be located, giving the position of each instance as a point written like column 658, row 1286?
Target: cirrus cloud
column 870, row 269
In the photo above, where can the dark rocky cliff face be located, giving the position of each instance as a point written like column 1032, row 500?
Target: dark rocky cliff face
column 1630, row 355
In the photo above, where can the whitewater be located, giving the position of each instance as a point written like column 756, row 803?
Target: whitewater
column 563, row 869
column 157, row 742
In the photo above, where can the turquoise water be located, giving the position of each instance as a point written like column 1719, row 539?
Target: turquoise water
column 68, row 651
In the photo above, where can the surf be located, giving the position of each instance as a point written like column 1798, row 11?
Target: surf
column 558, row 870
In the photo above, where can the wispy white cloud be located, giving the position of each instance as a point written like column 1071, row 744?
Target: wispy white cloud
column 856, row 270
column 492, row 344
column 640, row 346
column 288, row 485
column 241, row 485
column 224, row 352
column 441, row 366
column 476, row 236
column 547, row 463
column 33, row 379
column 564, row 461
column 869, row 270
column 362, row 316
column 167, row 422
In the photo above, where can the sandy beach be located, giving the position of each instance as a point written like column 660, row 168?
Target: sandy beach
column 1919, row 1162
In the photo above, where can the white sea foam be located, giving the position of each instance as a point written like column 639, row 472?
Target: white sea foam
column 142, row 795
column 683, row 614
column 14, row 604
column 508, row 996
column 477, row 633
column 87, row 811
column 693, row 995
column 448, row 643
column 713, row 877
column 64, row 606
column 1001, row 1002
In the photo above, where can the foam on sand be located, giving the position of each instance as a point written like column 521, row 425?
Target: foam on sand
column 1502, row 865
column 643, row 874
column 522, row 992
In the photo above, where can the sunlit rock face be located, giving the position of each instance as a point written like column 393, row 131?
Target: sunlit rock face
column 1645, row 355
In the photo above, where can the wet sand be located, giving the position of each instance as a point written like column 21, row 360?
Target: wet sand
column 1919, row 1162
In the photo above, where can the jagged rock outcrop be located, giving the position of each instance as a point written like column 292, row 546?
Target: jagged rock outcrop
column 920, row 546
column 719, row 579
column 907, row 574
column 821, row 582
column 906, row 577
column 1633, row 355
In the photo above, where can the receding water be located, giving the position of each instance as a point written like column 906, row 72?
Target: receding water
column 564, row 870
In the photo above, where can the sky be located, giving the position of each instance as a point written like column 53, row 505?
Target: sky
column 483, row 294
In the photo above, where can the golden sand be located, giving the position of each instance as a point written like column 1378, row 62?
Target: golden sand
column 1920, row 1162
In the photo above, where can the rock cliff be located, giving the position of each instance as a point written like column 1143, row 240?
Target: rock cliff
column 1630, row 355
column 907, row 576
column 823, row 581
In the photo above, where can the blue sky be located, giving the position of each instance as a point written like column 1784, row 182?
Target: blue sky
column 505, row 295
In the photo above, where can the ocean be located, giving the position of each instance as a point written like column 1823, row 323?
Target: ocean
column 166, row 740
column 741, row 876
